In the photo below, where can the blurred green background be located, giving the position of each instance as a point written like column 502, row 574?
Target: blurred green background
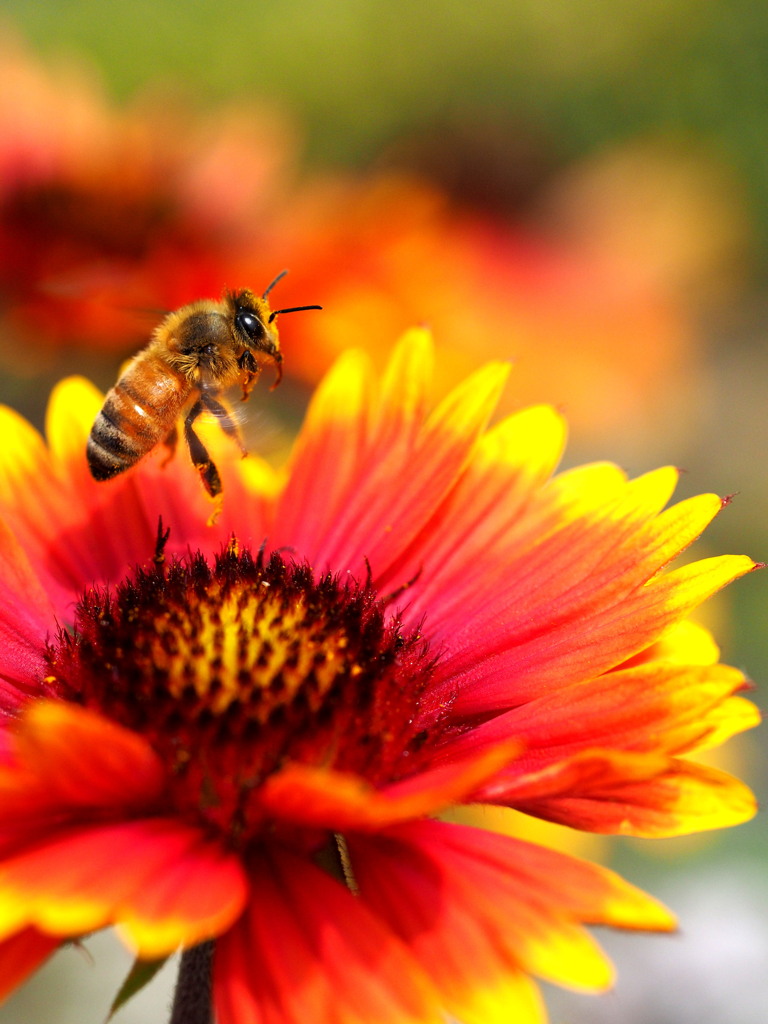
column 553, row 85
column 358, row 74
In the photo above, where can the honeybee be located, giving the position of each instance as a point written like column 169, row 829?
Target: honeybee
column 194, row 354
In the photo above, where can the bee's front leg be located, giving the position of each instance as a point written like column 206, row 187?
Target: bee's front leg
column 251, row 371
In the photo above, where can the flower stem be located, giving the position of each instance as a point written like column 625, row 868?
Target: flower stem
column 192, row 998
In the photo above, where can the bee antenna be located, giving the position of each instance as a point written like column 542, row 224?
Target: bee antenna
column 270, row 286
column 292, row 309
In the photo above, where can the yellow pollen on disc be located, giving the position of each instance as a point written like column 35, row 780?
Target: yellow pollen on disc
column 230, row 645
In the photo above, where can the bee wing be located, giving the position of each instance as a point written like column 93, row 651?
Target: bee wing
column 220, row 411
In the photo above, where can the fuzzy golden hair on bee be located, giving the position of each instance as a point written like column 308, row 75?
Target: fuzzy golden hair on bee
column 193, row 356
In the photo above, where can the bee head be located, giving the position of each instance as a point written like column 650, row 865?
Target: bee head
column 253, row 330
column 255, row 324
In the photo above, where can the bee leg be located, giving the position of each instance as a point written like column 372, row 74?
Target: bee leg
column 251, row 371
column 170, row 443
column 199, row 453
column 224, row 417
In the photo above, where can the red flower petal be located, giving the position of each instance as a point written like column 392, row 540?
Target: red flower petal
column 580, row 533
column 67, row 870
column 685, row 798
column 660, row 707
column 734, row 715
column 64, row 761
column 534, row 655
column 380, row 494
column 21, row 955
column 160, row 881
column 327, row 456
column 685, row 642
column 511, row 462
column 584, row 773
column 307, row 950
column 25, row 618
column 391, row 505
column 37, row 505
column 317, row 797
column 56, row 508
column 124, row 511
column 404, row 392
column 478, row 909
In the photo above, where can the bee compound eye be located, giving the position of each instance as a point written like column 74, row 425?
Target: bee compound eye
column 249, row 324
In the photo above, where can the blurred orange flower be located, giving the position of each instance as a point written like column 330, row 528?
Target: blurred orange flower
column 108, row 216
column 387, row 253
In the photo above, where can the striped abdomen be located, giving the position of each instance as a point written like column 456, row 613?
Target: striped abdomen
column 138, row 413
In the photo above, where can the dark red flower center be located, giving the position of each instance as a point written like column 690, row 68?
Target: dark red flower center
column 233, row 670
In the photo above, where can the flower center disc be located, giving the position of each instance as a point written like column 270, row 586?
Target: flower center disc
column 235, row 669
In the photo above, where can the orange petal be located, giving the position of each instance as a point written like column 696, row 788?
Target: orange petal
column 661, row 706
column 327, row 456
column 66, row 759
column 588, row 771
column 72, row 409
column 685, row 798
column 161, row 882
column 511, row 461
column 535, row 655
column 404, row 390
column 339, row 801
column 307, row 950
column 373, row 479
column 686, row 642
column 22, row 954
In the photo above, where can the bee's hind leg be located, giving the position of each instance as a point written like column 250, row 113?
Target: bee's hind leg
column 199, row 453
column 225, row 419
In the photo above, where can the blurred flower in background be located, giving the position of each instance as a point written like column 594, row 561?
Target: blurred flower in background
column 389, row 251
column 109, row 217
